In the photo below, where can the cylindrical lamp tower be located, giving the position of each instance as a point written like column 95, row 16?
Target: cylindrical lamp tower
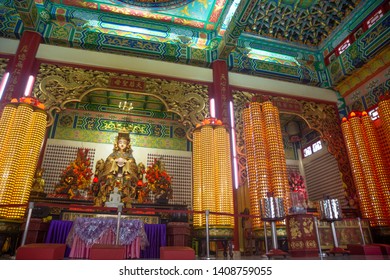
column 212, row 183
column 256, row 156
column 266, row 163
column 358, row 177
column 384, row 113
column 370, row 171
column 25, row 126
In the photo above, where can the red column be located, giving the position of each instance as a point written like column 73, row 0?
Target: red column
column 22, row 65
column 222, row 96
column 221, row 92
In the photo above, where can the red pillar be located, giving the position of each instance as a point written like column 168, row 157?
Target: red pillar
column 222, row 97
column 22, row 65
column 221, row 92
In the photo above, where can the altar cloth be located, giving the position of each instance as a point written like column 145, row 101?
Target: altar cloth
column 156, row 235
column 88, row 231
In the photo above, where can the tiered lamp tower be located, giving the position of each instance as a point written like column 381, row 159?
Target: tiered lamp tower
column 266, row 164
column 22, row 128
column 212, row 185
column 370, row 168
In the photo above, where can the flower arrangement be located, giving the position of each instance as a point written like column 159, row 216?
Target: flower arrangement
column 298, row 193
column 297, row 183
column 77, row 175
column 158, row 180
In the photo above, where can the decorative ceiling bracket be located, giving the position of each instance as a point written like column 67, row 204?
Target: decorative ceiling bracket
column 235, row 28
column 28, row 12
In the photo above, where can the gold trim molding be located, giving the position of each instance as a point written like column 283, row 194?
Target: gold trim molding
column 57, row 86
column 318, row 116
column 3, row 65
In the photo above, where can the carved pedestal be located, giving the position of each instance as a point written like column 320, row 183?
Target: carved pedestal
column 301, row 236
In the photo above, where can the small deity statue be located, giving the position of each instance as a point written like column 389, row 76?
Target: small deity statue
column 38, row 185
column 114, row 199
column 118, row 170
column 39, row 182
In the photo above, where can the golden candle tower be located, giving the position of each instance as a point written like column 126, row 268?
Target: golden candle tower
column 23, row 127
column 266, row 163
column 213, row 187
column 371, row 172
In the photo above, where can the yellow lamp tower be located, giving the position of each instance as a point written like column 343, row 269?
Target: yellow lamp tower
column 266, row 162
column 371, row 171
column 212, row 186
column 22, row 126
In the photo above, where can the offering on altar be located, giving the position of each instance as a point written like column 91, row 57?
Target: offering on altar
column 159, row 182
column 298, row 203
column 76, row 178
column 298, row 193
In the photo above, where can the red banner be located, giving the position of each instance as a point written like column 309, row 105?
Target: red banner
column 126, row 83
column 288, row 106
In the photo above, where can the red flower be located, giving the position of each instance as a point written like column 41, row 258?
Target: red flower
column 158, row 179
column 297, row 183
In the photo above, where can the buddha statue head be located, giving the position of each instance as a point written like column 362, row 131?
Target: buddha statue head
column 122, row 142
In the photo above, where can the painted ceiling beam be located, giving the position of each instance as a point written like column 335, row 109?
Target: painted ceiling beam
column 236, row 26
column 28, row 13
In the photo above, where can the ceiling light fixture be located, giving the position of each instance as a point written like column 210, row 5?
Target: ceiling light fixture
column 126, row 106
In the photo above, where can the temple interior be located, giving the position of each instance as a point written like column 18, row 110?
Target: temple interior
column 194, row 129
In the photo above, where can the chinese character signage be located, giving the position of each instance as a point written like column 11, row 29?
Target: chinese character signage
column 126, row 83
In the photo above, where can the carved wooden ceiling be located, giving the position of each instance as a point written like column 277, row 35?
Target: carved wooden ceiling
column 305, row 22
column 279, row 39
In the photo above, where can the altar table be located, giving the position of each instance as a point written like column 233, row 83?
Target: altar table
column 156, row 236
column 88, row 231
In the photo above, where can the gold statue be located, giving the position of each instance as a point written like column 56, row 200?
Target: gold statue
column 119, row 170
column 38, row 186
column 121, row 163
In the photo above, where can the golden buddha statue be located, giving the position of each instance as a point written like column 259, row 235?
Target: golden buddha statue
column 38, row 186
column 119, row 170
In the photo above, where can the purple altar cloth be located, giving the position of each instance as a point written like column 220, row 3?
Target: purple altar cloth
column 89, row 230
column 156, row 235
column 58, row 232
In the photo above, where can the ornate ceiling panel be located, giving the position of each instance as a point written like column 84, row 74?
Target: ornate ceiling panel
column 306, row 22
column 284, row 39
column 156, row 4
